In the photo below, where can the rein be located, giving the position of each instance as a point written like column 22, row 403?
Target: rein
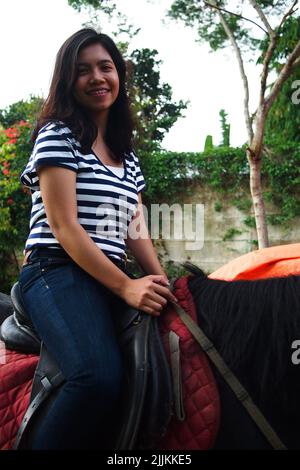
column 233, row 382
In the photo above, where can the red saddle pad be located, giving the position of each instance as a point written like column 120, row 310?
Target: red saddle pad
column 16, row 374
column 200, row 394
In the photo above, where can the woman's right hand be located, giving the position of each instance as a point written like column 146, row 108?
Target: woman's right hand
column 149, row 294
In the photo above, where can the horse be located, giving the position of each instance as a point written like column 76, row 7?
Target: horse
column 253, row 324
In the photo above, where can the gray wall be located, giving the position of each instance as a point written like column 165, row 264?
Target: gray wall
column 216, row 252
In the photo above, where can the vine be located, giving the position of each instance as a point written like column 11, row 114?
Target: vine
column 225, row 170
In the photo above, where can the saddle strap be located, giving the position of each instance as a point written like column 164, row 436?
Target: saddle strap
column 176, row 375
column 35, row 404
column 233, row 382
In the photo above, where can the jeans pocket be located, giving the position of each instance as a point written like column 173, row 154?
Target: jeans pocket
column 29, row 275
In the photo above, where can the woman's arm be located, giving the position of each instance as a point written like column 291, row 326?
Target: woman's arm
column 58, row 190
column 142, row 248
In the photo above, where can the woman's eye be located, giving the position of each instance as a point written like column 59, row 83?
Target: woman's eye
column 81, row 72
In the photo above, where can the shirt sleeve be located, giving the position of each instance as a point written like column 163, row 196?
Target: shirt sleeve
column 140, row 181
column 52, row 148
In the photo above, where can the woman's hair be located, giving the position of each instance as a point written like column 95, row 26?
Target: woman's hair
column 61, row 104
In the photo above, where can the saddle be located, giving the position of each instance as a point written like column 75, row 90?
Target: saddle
column 146, row 404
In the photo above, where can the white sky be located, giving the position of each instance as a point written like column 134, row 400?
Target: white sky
column 32, row 31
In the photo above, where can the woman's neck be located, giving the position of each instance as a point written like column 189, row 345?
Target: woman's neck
column 101, row 122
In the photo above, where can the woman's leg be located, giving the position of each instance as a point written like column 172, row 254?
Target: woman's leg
column 72, row 314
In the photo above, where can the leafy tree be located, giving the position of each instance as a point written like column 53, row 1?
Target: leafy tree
column 221, row 28
column 283, row 122
column 21, row 111
column 153, row 109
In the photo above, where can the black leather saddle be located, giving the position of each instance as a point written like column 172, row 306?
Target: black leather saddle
column 146, row 404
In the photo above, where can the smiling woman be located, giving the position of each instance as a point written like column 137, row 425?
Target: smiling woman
column 74, row 281
column 97, row 85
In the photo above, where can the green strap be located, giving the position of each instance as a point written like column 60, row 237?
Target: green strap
column 235, row 385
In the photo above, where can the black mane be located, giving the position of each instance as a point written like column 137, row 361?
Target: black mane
column 253, row 325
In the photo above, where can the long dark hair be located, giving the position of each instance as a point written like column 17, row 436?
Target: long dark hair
column 61, row 105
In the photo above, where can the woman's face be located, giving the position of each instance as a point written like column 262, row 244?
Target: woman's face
column 97, row 84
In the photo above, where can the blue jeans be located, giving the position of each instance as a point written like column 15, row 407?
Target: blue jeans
column 73, row 315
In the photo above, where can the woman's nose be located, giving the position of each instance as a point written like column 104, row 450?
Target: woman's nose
column 96, row 76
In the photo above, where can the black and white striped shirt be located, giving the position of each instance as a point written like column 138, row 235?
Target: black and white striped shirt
column 106, row 200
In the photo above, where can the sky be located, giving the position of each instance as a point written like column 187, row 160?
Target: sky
column 32, row 31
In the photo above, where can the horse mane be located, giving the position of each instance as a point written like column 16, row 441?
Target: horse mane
column 253, row 324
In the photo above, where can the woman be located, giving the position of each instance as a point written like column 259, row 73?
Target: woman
column 86, row 188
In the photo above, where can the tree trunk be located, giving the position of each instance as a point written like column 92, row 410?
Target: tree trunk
column 258, row 200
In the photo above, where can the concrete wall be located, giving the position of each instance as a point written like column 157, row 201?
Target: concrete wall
column 216, row 252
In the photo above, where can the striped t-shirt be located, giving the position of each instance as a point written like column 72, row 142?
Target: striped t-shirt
column 106, row 201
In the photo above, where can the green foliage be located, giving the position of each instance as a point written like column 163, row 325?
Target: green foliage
column 231, row 233
column 167, row 173
column 106, row 5
column 15, row 203
column 288, row 37
column 242, row 202
column 225, row 129
column 195, row 14
column 283, row 122
column 249, row 222
column 218, row 207
column 282, row 171
column 153, row 109
column 225, row 170
column 208, row 145
column 174, row 270
column 15, row 146
column 21, row 111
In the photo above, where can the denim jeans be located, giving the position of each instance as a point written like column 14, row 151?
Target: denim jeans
column 73, row 315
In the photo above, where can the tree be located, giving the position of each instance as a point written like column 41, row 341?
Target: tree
column 21, row 111
column 153, row 109
column 222, row 28
column 283, row 122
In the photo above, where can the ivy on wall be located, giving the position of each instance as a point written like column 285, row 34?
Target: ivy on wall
column 171, row 176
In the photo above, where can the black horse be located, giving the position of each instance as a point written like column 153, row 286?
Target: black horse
column 253, row 325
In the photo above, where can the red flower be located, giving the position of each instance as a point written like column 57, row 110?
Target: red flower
column 5, row 171
column 24, row 123
column 10, row 201
column 12, row 133
column 12, row 141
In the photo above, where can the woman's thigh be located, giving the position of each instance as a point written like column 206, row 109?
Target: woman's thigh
column 72, row 313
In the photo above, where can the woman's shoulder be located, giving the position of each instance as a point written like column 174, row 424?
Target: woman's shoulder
column 131, row 156
column 57, row 129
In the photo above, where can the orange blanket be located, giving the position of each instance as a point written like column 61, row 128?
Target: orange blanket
column 275, row 261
